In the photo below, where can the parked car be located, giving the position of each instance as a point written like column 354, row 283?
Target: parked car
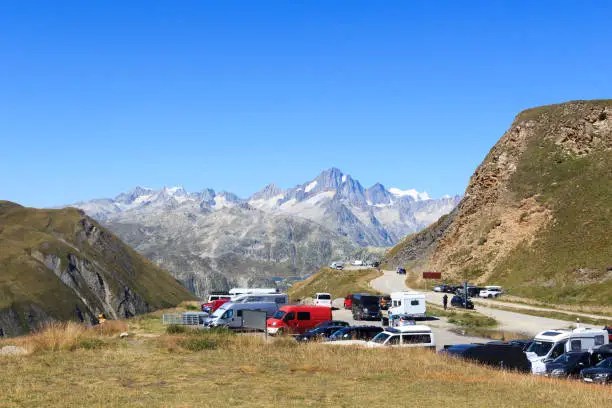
column 357, row 262
column 568, row 364
column 601, row 373
column 460, row 301
column 348, row 301
column 365, row 307
column 375, row 264
column 497, row 355
column 523, row 344
column 442, row 288
column 297, row 318
column 356, row 333
column 472, row 291
column 328, row 323
column 401, row 271
column 405, row 336
column 337, row 265
column 385, row 301
column 323, row 299
column 318, row 333
column 490, row 292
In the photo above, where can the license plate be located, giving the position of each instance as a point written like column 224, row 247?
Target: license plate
column 588, row 379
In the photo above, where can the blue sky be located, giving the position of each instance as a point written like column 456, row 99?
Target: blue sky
column 98, row 98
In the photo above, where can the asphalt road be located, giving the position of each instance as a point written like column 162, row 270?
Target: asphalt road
column 509, row 321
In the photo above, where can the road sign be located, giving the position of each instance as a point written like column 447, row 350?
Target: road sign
column 432, row 275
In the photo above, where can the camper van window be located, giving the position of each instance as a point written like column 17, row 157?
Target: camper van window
column 414, row 302
column 303, row 315
column 289, row 316
column 239, row 313
column 397, row 303
column 599, row 340
column 228, row 314
column 558, row 350
column 541, row 348
column 576, row 345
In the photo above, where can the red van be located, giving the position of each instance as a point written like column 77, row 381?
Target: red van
column 348, row 301
column 297, row 318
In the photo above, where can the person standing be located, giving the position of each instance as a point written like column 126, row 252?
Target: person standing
column 445, row 301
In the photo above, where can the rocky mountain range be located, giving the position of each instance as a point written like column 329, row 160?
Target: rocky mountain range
column 211, row 239
column 537, row 213
column 63, row 265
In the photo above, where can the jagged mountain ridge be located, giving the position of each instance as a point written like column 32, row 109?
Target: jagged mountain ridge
column 62, row 265
column 211, row 240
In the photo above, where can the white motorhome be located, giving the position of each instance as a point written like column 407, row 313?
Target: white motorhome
column 405, row 336
column 281, row 299
column 407, row 303
column 550, row 344
column 230, row 314
column 244, row 291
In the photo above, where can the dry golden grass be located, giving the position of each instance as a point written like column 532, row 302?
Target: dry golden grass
column 243, row 370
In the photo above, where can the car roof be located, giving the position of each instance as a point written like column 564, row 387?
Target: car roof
column 409, row 329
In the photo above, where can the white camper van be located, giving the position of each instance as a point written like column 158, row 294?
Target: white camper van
column 404, row 336
column 230, row 314
column 258, row 291
column 411, row 304
column 550, row 344
column 281, row 299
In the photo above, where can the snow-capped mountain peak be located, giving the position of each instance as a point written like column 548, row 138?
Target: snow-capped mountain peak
column 417, row 196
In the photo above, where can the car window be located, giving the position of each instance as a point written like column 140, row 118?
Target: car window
column 394, row 340
column 228, row 314
column 576, row 345
column 289, row 316
column 414, row 302
column 541, row 348
column 239, row 313
column 303, row 316
column 558, row 350
column 416, row 338
column 599, row 340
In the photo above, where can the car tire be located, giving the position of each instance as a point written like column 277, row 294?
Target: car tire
column 490, row 296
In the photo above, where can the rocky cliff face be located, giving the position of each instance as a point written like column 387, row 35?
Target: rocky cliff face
column 536, row 211
column 62, row 265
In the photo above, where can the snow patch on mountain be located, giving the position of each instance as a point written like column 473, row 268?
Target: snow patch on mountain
column 417, row 196
column 310, row 186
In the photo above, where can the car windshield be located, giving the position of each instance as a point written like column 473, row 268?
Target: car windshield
column 279, row 315
column 567, row 358
column 606, row 363
column 339, row 333
column 381, row 337
column 541, row 348
column 370, row 300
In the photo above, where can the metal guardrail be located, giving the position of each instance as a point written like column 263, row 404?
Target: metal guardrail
column 188, row 319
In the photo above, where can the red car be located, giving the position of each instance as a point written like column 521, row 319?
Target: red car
column 348, row 301
column 214, row 305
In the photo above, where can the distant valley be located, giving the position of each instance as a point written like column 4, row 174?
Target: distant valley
column 213, row 240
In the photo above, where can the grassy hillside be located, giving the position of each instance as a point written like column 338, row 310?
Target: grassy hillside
column 218, row 369
column 571, row 260
column 537, row 213
column 338, row 283
column 54, row 262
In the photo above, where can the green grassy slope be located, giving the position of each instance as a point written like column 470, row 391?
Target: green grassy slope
column 572, row 259
column 338, row 283
column 31, row 292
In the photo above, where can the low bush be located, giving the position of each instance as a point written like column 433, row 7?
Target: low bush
column 197, row 344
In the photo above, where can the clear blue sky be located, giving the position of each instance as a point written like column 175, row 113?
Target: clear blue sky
column 97, row 97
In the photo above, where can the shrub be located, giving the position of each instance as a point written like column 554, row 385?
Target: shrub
column 197, row 344
column 92, row 344
column 175, row 329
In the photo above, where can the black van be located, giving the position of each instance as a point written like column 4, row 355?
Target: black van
column 366, row 307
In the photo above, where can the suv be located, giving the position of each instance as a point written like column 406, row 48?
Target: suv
column 459, row 301
column 490, row 292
